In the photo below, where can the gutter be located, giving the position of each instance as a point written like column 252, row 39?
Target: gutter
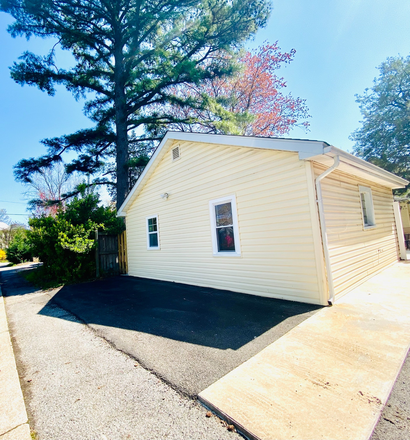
column 319, row 201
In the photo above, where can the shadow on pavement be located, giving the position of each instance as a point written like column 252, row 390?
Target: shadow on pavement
column 188, row 336
column 190, row 314
column 13, row 283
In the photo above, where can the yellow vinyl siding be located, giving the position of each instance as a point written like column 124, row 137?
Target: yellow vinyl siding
column 274, row 218
column 355, row 252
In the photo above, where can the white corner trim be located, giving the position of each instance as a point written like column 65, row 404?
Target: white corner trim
column 399, row 231
column 322, row 220
column 317, row 238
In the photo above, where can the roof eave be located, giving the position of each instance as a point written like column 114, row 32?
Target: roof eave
column 317, row 151
column 305, row 148
column 144, row 176
column 356, row 164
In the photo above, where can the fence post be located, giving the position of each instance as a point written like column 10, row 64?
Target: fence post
column 97, row 256
column 122, row 252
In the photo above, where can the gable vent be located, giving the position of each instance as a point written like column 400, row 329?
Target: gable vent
column 175, row 153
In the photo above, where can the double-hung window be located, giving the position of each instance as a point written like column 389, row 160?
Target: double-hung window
column 152, row 233
column 366, row 201
column 224, row 223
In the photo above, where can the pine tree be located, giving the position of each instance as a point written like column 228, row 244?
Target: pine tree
column 129, row 54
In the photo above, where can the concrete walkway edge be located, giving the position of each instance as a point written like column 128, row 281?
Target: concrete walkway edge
column 13, row 415
column 328, row 378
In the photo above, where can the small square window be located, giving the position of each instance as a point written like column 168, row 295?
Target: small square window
column 225, row 234
column 366, row 201
column 152, row 233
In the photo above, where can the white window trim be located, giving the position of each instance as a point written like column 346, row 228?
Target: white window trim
column 150, row 248
column 370, row 208
column 212, row 204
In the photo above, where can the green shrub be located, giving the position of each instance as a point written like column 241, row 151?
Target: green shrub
column 65, row 243
column 20, row 249
column 40, row 279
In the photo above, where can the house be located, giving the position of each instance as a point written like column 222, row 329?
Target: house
column 3, row 241
column 405, row 213
column 283, row 218
column 405, row 218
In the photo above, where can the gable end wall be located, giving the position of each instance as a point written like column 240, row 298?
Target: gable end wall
column 274, row 215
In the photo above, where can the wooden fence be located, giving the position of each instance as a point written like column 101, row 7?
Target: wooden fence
column 110, row 254
column 106, row 255
column 122, row 252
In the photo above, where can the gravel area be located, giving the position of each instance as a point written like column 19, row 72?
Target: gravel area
column 394, row 423
column 77, row 386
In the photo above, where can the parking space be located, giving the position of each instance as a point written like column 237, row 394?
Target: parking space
column 189, row 336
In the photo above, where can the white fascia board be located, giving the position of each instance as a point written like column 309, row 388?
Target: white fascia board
column 359, row 167
column 148, row 170
column 305, row 148
column 308, row 156
column 374, row 170
column 301, row 146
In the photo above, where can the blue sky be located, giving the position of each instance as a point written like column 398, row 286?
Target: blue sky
column 338, row 43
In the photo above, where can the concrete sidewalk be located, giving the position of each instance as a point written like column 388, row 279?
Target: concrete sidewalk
column 330, row 376
column 13, row 415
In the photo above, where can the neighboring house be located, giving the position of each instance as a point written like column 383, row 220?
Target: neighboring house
column 282, row 218
column 405, row 217
column 7, row 233
column 3, row 227
column 405, row 214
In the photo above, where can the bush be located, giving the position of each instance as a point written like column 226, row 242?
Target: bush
column 2, row 255
column 20, row 249
column 39, row 279
column 65, row 243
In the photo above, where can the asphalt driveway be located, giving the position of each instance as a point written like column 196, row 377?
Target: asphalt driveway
column 189, row 336
column 77, row 385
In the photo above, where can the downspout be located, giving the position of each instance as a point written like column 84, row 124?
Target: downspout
column 323, row 227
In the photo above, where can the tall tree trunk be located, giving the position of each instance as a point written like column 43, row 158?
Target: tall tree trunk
column 121, row 127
